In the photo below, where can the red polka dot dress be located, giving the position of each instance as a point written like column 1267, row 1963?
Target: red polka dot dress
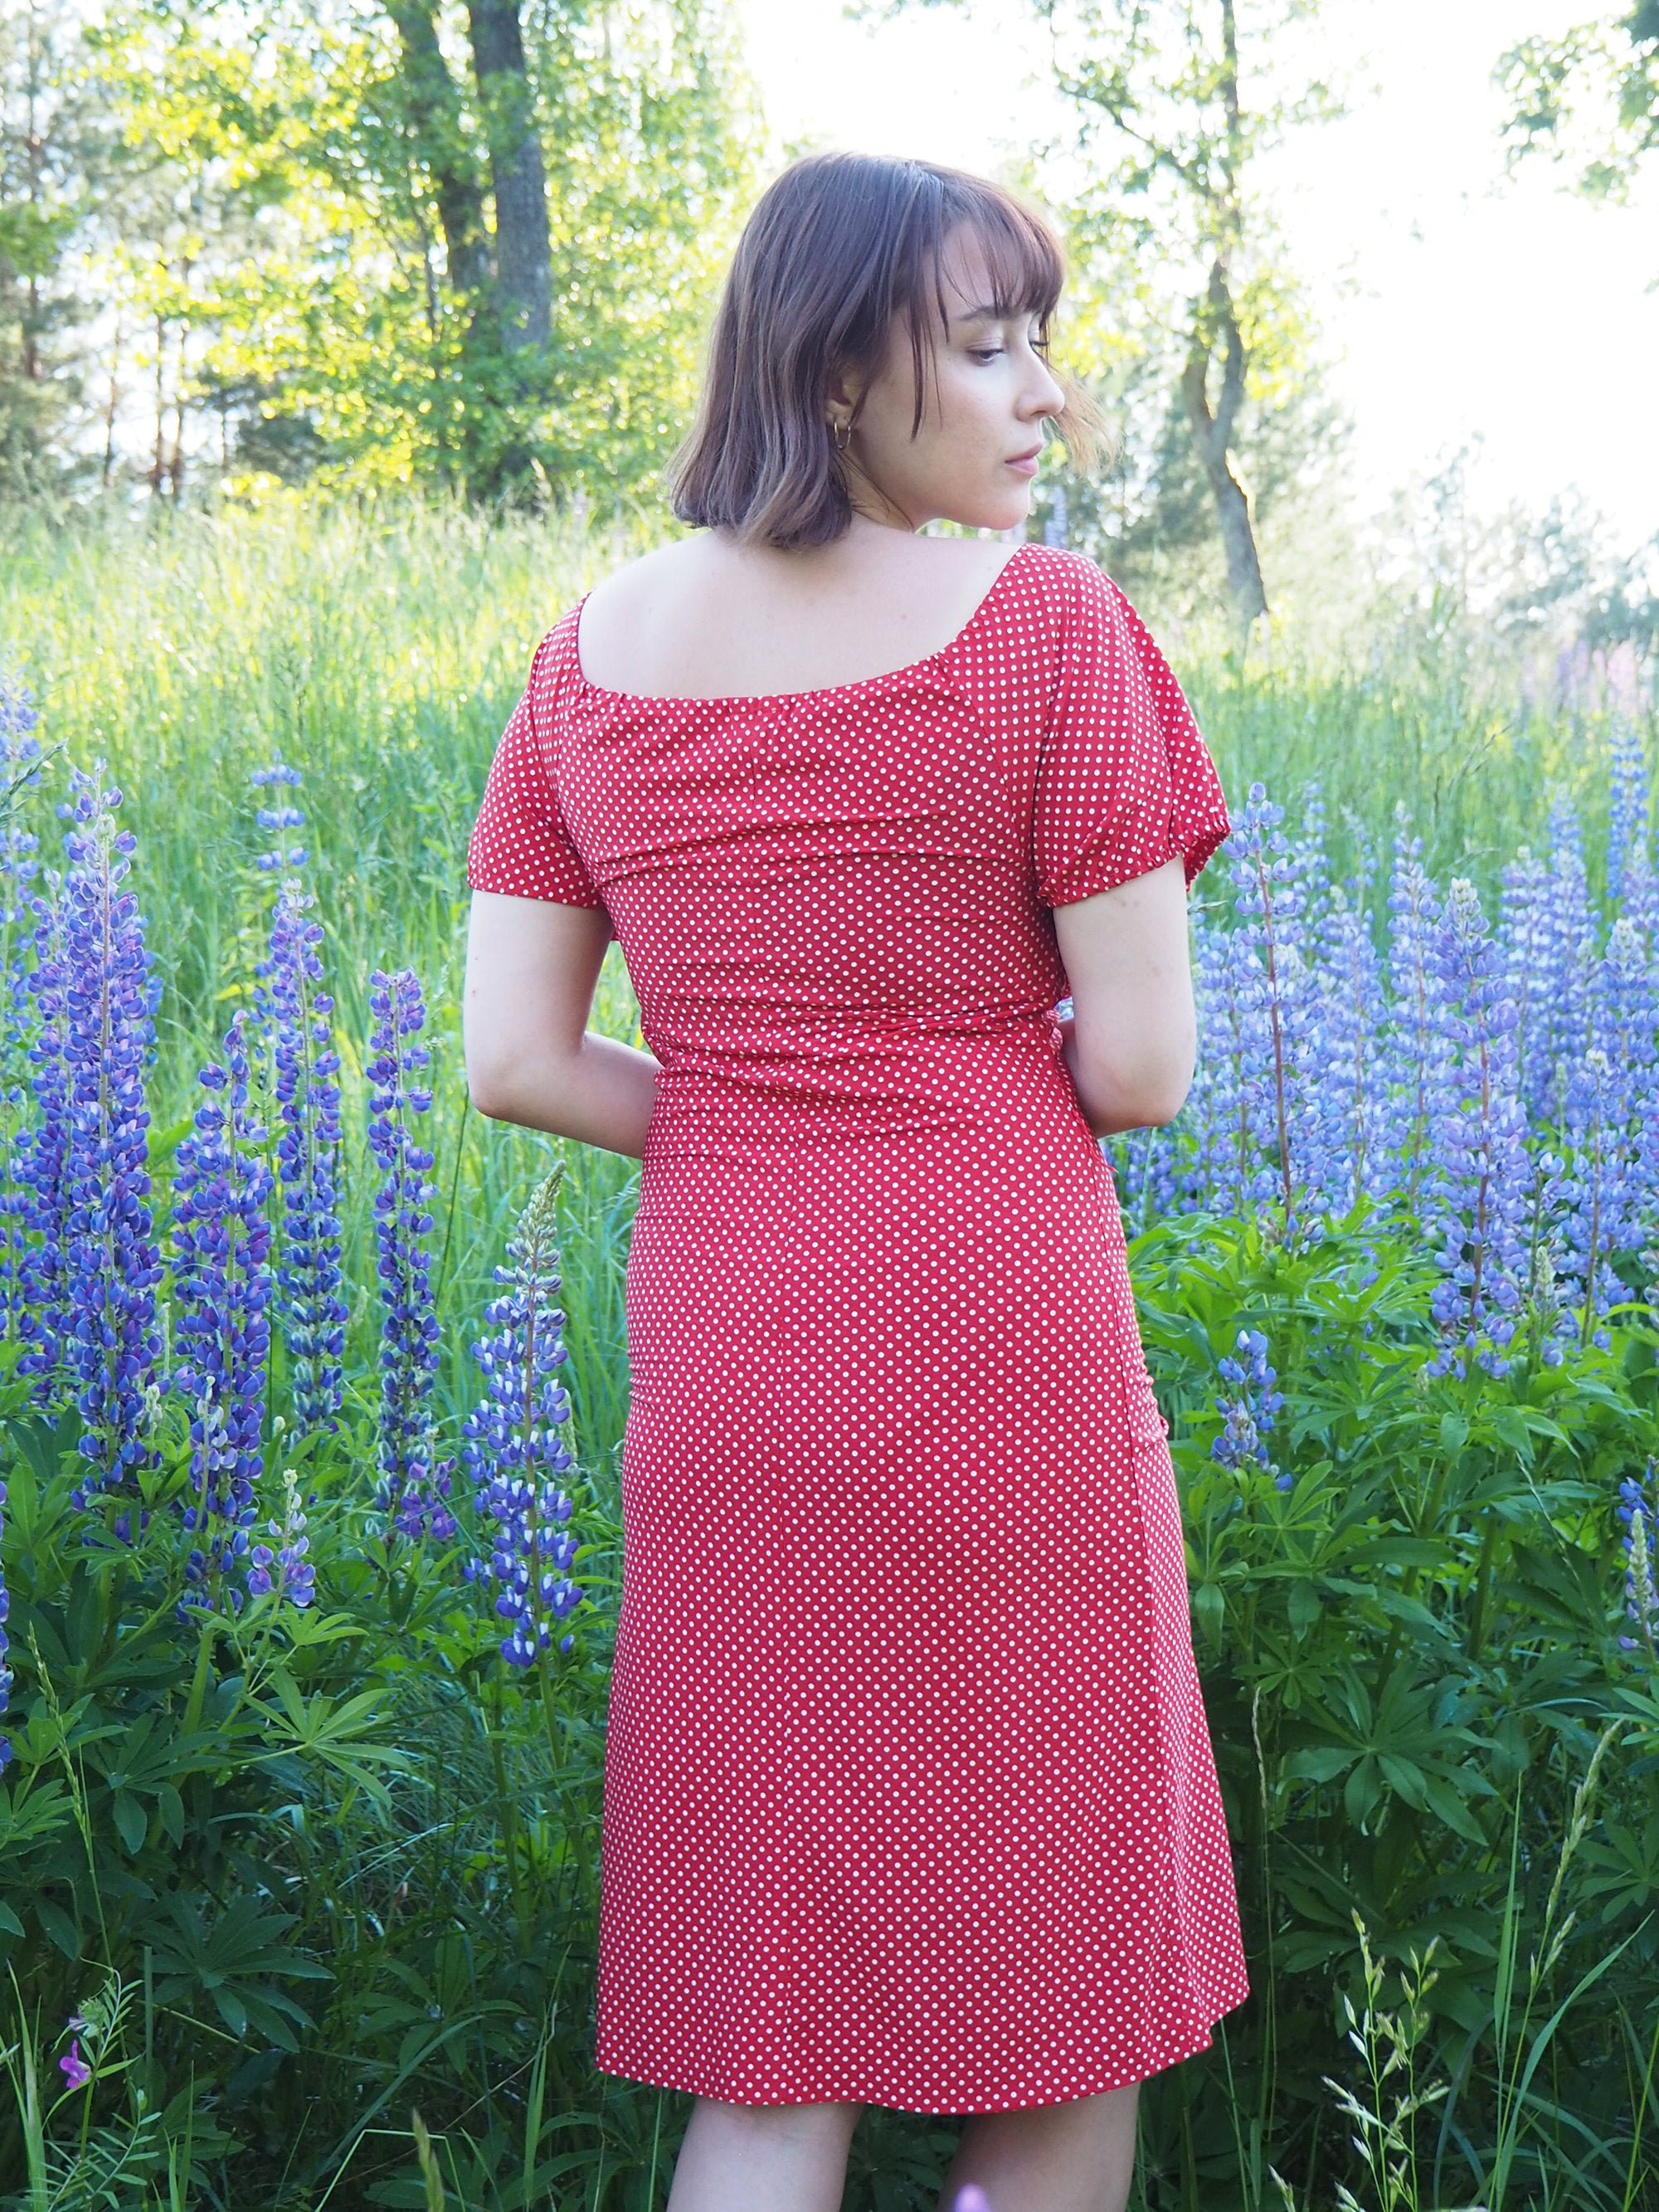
column 909, row 1797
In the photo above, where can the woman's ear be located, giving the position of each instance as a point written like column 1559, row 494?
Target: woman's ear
column 843, row 390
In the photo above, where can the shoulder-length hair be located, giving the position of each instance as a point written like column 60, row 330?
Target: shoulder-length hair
column 837, row 247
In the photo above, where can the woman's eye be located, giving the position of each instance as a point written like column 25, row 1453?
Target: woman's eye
column 984, row 353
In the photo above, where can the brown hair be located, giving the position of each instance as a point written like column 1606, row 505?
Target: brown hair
column 835, row 248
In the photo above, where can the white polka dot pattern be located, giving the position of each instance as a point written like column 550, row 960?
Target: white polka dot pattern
column 909, row 1796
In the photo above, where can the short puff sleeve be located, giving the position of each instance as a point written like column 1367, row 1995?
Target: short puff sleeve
column 521, row 844
column 1125, row 781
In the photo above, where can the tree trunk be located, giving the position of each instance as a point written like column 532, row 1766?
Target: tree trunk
column 524, row 272
column 433, row 104
column 1212, row 433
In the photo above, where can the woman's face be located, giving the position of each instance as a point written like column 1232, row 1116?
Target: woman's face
column 985, row 396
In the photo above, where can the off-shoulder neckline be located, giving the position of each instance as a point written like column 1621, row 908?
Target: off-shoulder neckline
column 772, row 698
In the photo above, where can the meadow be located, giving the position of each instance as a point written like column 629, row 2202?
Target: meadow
column 299, row 1876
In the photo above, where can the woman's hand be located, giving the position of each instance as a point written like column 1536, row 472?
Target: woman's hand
column 532, row 965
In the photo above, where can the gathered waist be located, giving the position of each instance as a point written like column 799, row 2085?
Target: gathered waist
column 961, row 1069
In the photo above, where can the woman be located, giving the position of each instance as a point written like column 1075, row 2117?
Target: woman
column 909, row 1796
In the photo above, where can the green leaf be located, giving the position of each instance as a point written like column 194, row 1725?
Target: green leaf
column 1453, row 1433
column 1209, row 1610
column 130, row 1820
column 58, row 1926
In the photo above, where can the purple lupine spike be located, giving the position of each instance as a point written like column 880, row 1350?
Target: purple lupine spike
column 1638, row 1509
column 306, row 1107
column 402, row 1230
column 296, row 1576
column 1627, row 813
column 1596, row 1196
column 1248, row 1414
column 20, row 750
column 1569, row 957
column 1272, row 977
column 1221, row 1109
column 1475, row 1202
column 513, row 1441
column 223, row 1291
column 112, row 1265
column 1312, row 865
column 1145, row 1167
column 1525, row 936
column 1413, row 1047
column 41, row 1165
column 1348, row 1082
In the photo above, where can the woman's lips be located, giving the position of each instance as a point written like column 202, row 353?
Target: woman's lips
column 1027, row 467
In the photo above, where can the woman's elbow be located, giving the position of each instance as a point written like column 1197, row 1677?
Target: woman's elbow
column 492, row 1088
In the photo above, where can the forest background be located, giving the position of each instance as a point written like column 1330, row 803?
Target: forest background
column 250, row 249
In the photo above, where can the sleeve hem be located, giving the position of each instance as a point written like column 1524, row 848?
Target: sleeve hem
column 1196, row 847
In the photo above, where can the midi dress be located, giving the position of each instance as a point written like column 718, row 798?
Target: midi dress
column 909, row 1797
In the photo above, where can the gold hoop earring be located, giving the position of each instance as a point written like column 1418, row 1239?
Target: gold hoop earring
column 841, row 440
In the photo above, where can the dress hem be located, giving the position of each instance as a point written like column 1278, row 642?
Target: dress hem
column 1116, row 2078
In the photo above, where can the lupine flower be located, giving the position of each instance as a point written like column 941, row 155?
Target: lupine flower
column 1220, row 1110
column 1271, row 981
column 403, row 1228
column 43, row 1318
column 306, row 1105
column 75, row 2066
column 1250, row 1411
column 1569, row 960
column 515, row 1446
column 1604, row 1189
column 296, row 1576
column 111, row 1264
column 1476, row 1197
column 1413, row 1047
column 19, row 749
column 280, row 818
column 1523, row 932
column 223, row 1289
column 1636, row 1508
column 5, row 1640
column 1627, row 815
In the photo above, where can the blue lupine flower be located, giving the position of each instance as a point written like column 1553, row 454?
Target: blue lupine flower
column 306, row 1101
column 1475, row 1202
column 223, row 1289
column 1604, row 1188
column 1523, row 935
column 1627, row 814
column 515, row 1446
column 1638, row 1500
column 296, row 1578
column 1220, row 1106
column 1413, row 1047
column 402, row 1230
column 19, row 748
column 41, row 1164
column 1569, row 957
column 111, row 1265
column 1250, row 1411
column 1275, row 991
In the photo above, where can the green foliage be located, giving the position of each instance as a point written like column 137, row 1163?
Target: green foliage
column 1590, row 96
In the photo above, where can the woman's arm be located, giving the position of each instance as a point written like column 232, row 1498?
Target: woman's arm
column 1132, row 1043
column 532, row 965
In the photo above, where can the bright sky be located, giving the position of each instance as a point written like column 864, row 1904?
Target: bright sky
column 1453, row 301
